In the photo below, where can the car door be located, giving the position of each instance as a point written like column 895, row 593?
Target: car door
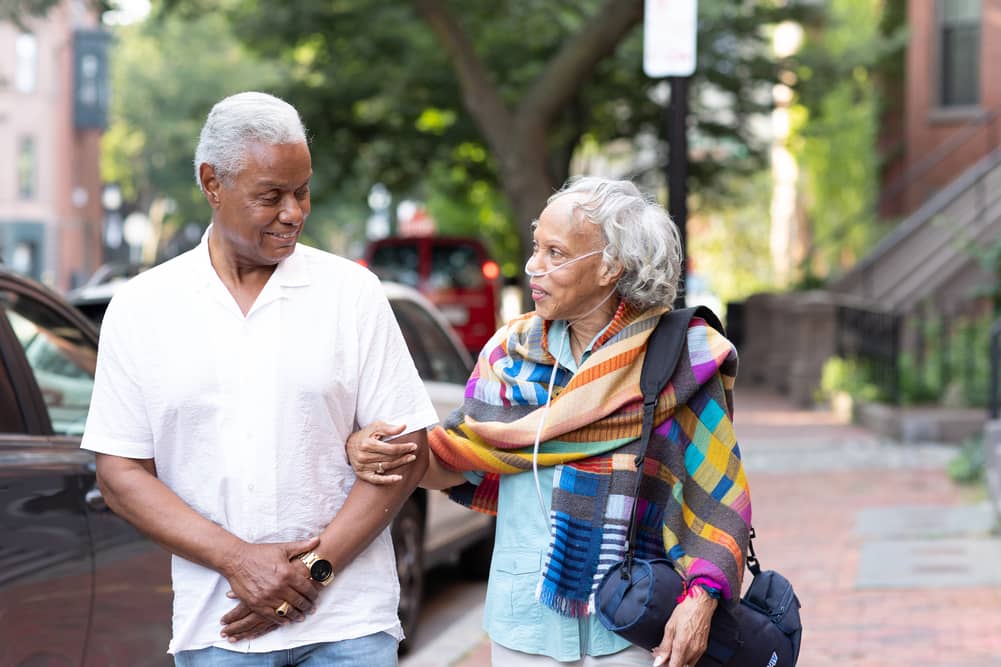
column 46, row 561
column 127, row 609
column 450, row 527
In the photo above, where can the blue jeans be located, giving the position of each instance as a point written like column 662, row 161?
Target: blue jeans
column 378, row 650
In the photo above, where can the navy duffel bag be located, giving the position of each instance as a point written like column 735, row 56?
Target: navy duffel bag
column 764, row 630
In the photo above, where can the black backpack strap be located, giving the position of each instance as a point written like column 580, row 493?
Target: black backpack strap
column 663, row 350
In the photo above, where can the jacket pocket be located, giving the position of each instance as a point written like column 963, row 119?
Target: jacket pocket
column 516, row 576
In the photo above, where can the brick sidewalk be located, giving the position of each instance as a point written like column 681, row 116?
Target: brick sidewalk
column 894, row 564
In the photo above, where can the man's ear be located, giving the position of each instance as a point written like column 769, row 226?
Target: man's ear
column 210, row 183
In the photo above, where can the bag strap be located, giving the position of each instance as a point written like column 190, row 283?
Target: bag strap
column 752, row 558
column 663, row 350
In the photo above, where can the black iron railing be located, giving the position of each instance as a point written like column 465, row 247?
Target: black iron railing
column 873, row 338
column 994, row 399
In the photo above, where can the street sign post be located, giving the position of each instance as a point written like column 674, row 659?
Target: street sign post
column 669, row 41
column 669, row 28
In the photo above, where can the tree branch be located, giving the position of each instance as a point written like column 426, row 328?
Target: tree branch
column 561, row 79
column 478, row 88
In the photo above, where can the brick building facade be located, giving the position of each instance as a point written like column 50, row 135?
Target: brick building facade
column 951, row 112
column 53, row 104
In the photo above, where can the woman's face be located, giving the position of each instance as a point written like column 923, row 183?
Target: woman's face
column 575, row 287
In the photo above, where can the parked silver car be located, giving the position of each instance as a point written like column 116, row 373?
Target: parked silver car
column 80, row 586
column 447, row 531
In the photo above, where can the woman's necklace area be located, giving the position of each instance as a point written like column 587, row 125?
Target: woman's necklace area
column 577, row 345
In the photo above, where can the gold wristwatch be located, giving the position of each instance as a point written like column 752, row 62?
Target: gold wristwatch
column 320, row 569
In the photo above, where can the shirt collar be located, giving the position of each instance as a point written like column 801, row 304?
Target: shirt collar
column 560, row 347
column 293, row 271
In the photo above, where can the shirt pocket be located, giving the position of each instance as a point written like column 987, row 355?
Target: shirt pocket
column 516, row 576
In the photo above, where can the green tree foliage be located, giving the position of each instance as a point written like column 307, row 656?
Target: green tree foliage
column 403, row 91
column 729, row 242
column 165, row 76
column 836, row 128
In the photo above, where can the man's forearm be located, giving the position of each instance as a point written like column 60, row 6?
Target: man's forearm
column 132, row 491
column 369, row 508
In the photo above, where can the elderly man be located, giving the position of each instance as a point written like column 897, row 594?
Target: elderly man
column 228, row 380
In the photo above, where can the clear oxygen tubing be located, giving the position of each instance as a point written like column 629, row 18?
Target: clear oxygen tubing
column 549, row 397
column 538, row 274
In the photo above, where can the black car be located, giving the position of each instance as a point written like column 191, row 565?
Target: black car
column 78, row 585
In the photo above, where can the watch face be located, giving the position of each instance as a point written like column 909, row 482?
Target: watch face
column 321, row 570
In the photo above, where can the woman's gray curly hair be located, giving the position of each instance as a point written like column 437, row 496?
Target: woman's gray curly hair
column 639, row 235
column 241, row 119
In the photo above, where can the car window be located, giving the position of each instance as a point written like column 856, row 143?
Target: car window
column 455, row 267
column 434, row 354
column 93, row 310
column 11, row 420
column 62, row 357
column 397, row 262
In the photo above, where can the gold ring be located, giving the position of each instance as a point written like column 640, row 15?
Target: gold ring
column 379, row 469
column 283, row 609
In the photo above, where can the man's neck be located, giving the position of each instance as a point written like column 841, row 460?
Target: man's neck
column 244, row 282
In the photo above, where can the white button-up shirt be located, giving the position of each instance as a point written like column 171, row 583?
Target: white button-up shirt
column 246, row 418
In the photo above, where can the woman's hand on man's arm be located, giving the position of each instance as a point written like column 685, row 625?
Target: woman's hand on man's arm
column 374, row 459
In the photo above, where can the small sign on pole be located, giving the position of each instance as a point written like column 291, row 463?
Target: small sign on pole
column 669, row 28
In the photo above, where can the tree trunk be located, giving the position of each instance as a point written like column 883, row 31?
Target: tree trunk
column 527, row 184
column 518, row 139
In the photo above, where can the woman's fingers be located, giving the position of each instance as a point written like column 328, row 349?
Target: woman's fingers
column 373, row 477
column 662, row 653
column 380, row 428
column 399, row 462
column 373, row 449
column 375, row 458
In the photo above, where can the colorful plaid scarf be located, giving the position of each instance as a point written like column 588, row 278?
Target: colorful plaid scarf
column 693, row 504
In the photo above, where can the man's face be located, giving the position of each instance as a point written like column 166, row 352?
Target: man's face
column 260, row 211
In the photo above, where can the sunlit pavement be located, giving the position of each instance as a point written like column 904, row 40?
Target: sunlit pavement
column 895, row 564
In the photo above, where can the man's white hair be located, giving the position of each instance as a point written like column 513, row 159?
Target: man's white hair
column 239, row 120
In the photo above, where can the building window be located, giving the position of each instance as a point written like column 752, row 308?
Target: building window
column 959, row 53
column 26, row 57
column 87, row 90
column 22, row 259
column 27, row 168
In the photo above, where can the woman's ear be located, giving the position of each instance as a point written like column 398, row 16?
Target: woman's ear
column 610, row 272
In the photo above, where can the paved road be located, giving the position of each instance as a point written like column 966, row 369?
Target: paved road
column 452, row 608
column 895, row 565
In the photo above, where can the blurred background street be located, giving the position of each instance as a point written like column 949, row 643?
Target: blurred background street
column 894, row 562
column 834, row 167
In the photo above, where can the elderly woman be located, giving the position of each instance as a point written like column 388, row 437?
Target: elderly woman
column 553, row 403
